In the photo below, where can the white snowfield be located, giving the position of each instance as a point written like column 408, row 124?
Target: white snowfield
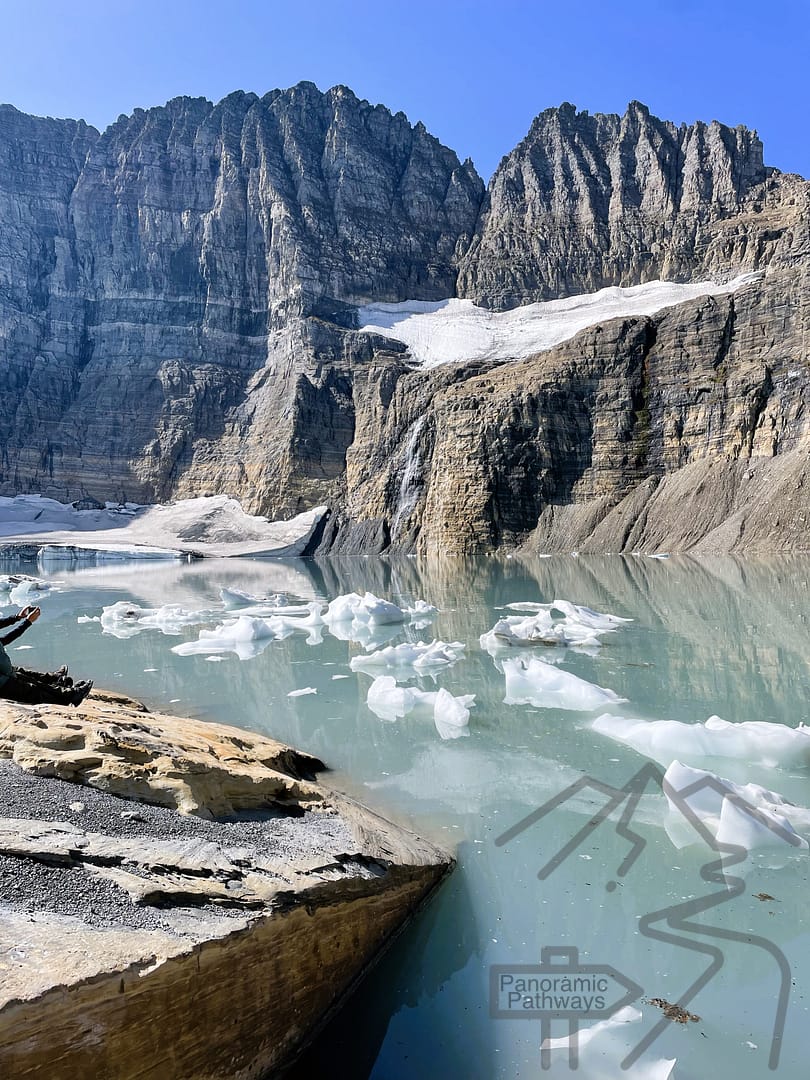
column 447, row 331
column 213, row 525
column 746, row 815
column 760, row 741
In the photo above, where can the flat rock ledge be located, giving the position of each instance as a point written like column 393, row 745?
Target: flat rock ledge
column 181, row 899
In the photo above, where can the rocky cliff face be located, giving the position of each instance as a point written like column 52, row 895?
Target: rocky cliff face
column 177, row 312
column 590, row 201
column 687, row 429
column 157, row 281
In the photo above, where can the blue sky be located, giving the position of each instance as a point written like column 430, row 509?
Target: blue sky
column 475, row 73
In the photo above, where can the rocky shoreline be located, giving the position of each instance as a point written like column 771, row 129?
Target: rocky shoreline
column 179, row 898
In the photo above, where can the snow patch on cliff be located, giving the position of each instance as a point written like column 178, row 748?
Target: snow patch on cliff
column 447, row 331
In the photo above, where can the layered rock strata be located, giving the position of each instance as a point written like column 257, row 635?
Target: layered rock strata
column 178, row 305
column 143, row 941
column 163, row 286
column 584, row 202
column 686, row 430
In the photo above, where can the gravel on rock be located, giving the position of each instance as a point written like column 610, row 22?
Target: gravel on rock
column 30, row 885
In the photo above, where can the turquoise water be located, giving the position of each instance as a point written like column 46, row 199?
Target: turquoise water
column 712, row 636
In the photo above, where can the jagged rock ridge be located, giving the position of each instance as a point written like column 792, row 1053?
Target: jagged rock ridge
column 155, row 277
column 177, row 301
column 584, row 202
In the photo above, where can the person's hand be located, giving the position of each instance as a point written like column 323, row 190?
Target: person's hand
column 33, row 615
column 26, row 611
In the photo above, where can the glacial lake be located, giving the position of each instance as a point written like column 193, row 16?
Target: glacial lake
column 709, row 636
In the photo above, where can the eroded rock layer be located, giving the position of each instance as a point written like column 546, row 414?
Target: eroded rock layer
column 137, row 941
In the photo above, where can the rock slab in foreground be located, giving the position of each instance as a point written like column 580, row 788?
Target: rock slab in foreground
column 139, row 941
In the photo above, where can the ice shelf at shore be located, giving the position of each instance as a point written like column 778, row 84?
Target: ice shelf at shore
column 212, row 525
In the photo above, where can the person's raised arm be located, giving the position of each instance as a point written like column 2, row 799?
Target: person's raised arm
column 25, row 618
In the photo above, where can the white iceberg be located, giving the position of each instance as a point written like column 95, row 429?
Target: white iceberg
column 533, row 682
column 760, row 741
column 451, row 715
column 419, row 656
column 747, row 815
column 579, row 627
column 245, row 636
column 125, row 620
column 31, row 591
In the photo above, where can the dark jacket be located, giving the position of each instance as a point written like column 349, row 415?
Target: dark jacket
column 6, row 666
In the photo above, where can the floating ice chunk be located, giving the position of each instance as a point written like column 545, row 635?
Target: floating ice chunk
column 235, row 598
column 387, row 700
column 601, row 1048
column 343, row 608
column 304, row 690
column 765, row 743
column 368, row 609
column 88, row 618
column 747, row 815
column 336, row 677
column 420, row 609
column 284, row 625
column 244, row 636
column 533, row 682
column 580, row 627
column 125, row 620
column 371, row 609
column 419, row 656
column 31, row 591
column 585, row 616
column 517, row 632
column 450, row 714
